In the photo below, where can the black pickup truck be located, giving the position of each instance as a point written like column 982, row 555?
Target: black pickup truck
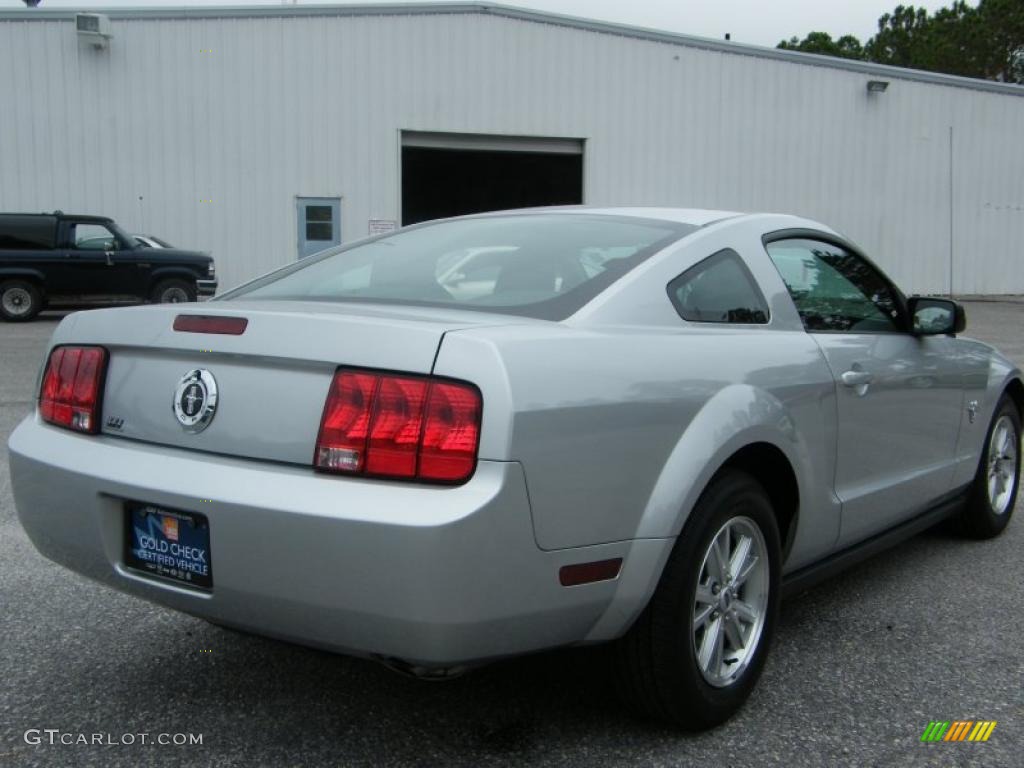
column 56, row 258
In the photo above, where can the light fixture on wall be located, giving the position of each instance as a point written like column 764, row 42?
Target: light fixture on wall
column 877, row 86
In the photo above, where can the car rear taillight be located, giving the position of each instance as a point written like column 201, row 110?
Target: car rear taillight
column 70, row 395
column 399, row 426
column 451, row 432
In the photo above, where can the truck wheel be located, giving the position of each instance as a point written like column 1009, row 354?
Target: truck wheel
column 992, row 497
column 173, row 292
column 695, row 653
column 20, row 300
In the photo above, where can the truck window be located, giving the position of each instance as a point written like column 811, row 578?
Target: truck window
column 92, row 237
column 27, row 233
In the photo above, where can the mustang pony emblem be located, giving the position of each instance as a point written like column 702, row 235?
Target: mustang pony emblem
column 195, row 400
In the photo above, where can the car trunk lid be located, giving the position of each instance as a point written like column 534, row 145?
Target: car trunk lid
column 271, row 380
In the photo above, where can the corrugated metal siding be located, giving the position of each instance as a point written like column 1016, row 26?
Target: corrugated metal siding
column 313, row 106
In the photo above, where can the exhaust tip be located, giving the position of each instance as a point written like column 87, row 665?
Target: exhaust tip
column 420, row 672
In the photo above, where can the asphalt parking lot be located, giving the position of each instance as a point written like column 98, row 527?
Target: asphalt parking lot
column 933, row 630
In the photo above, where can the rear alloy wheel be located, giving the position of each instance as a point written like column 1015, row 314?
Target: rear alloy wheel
column 20, row 300
column 994, row 493
column 731, row 602
column 695, row 653
column 174, row 292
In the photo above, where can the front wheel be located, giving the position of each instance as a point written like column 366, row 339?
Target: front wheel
column 174, row 292
column 695, row 653
column 994, row 493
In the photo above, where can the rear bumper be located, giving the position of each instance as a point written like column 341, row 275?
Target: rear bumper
column 206, row 287
column 430, row 575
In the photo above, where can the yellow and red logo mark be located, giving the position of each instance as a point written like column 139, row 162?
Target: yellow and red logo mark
column 958, row 730
column 171, row 528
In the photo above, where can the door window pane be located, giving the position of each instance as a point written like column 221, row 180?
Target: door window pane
column 93, row 237
column 719, row 289
column 319, row 231
column 835, row 290
column 319, row 225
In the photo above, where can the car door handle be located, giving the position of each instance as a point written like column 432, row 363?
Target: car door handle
column 857, row 378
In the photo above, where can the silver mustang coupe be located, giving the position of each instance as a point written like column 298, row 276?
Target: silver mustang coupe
column 502, row 433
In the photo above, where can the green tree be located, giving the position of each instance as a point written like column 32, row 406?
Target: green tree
column 955, row 42
column 1002, row 22
column 846, row 47
column 901, row 37
column 986, row 41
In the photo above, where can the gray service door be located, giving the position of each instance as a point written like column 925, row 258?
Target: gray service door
column 319, row 220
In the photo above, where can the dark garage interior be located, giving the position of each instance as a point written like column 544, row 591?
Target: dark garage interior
column 437, row 183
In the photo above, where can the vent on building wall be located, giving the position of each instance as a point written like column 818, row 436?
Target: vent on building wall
column 94, row 28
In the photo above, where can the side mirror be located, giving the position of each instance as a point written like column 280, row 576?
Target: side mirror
column 935, row 317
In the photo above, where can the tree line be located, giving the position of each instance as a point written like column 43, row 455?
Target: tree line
column 984, row 41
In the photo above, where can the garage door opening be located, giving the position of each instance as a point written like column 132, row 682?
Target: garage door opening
column 450, row 175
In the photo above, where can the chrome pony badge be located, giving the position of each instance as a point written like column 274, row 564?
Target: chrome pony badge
column 195, row 400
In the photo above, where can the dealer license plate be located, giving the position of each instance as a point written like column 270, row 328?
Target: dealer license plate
column 168, row 544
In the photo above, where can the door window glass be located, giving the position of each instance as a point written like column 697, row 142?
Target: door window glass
column 719, row 289
column 92, row 237
column 834, row 289
column 319, row 223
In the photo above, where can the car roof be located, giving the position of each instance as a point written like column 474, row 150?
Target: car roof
column 84, row 217
column 62, row 215
column 695, row 217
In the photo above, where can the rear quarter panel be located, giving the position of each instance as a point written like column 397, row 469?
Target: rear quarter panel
column 619, row 431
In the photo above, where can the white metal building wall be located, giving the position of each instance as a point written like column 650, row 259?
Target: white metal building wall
column 204, row 130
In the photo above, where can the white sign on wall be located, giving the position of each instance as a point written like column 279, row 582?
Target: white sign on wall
column 382, row 226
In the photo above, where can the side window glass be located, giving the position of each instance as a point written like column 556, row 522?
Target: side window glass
column 719, row 289
column 27, row 233
column 92, row 237
column 835, row 290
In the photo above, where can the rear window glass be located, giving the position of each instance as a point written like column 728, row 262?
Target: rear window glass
column 545, row 266
column 27, row 233
column 719, row 289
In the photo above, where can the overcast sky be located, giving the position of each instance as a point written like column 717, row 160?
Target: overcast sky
column 749, row 21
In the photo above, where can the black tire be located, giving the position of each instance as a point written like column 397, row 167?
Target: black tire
column 173, row 291
column 979, row 518
column 657, row 668
column 20, row 300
